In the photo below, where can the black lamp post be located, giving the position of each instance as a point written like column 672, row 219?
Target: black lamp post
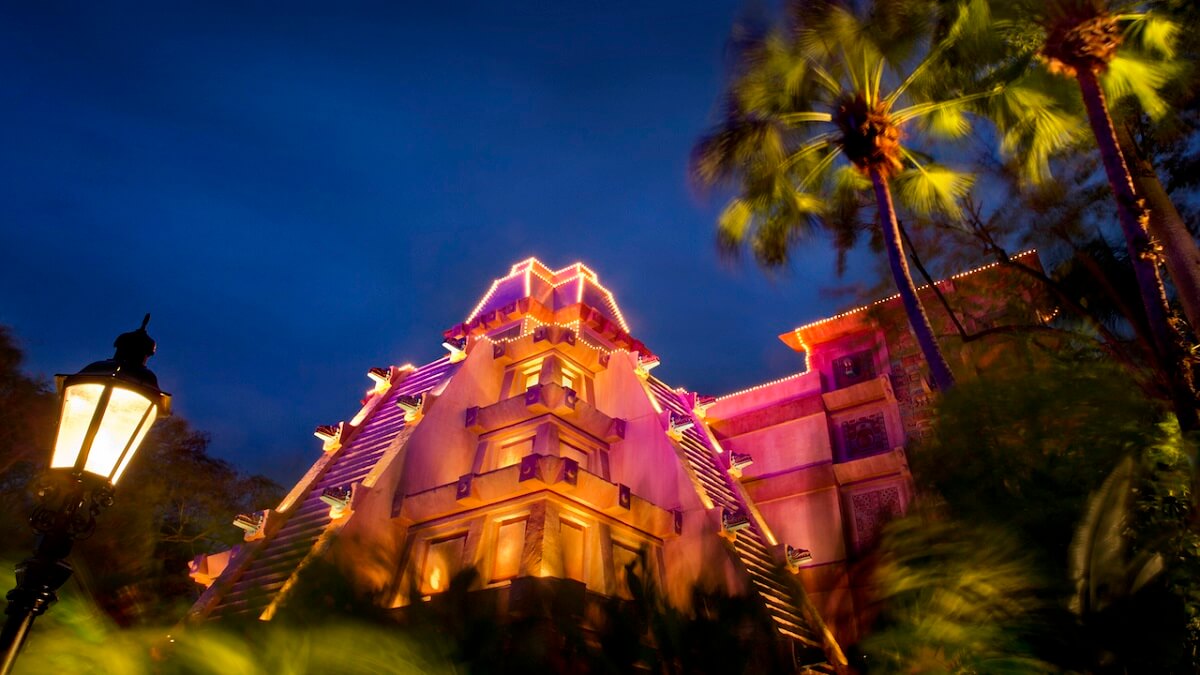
column 107, row 408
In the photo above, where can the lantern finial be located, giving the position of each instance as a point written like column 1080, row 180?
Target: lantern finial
column 135, row 347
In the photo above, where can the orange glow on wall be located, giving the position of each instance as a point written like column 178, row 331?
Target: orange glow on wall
column 572, row 542
column 443, row 560
column 511, row 452
column 510, row 544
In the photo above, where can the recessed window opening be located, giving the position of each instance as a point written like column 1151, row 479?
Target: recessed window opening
column 571, row 378
column 530, row 374
column 510, row 544
column 443, row 560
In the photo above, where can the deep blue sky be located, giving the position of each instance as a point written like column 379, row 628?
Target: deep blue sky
column 300, row 192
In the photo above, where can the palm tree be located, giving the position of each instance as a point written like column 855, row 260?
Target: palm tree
column 824, row 110
column 1109, row 53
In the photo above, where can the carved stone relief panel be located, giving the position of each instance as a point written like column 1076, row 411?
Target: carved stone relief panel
column 864, row 436
column 872, row 510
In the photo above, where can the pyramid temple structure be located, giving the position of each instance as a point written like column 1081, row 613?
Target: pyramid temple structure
column 541, row 446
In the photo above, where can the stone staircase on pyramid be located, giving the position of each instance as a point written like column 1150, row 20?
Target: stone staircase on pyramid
column 258, row 575
column 780, row 591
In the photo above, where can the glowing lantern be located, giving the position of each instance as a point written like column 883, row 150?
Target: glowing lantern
column 107, row 409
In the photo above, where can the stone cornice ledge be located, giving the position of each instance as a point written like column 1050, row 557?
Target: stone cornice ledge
column 540, row 399
column 538, row 473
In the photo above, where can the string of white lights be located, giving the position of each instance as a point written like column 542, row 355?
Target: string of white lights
column 529, row 267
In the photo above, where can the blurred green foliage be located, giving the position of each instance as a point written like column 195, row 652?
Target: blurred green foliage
column 956, row 598
column 1024, row 444
column 538, row 630
column 77, row 637
column 1047, row 448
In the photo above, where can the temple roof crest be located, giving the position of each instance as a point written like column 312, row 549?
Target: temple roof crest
column 555, row 289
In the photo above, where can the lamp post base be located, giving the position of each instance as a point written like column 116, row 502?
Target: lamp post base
column 38, row 579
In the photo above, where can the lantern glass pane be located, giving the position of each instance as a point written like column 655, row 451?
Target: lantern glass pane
column 137, row 443
column 124, row 414
column 79, row 405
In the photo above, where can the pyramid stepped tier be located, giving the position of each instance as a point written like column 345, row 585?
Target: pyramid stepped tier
column 255, row 578
column 781, row 595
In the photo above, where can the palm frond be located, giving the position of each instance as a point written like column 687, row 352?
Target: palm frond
column 1037, row 117
column 847, row 180
column 721, row 153
column 816, row 173
column 913, row 75
column 932, row 188
column 733, row 225
column 1041, row 135
column 876, row 82
column 777, row 230
column 804, row 152
column 921, row 109
column 972, row 19
column 950, row 121
column 1151, row 33
column 802, row 117
column 1098, row 546
column 827, row 80
column 1142, row 78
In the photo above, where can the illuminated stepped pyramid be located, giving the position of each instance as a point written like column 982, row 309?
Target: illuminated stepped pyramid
column 541, row 449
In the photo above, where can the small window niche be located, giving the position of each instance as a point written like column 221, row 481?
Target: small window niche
column 530, row 377
column 573, row 542
column 572, row 379
column 851, row 369
column 519, row 377
column 581, row 457
column 511, row 452
column 443, row 560
column 510, row 547
column 551, row 368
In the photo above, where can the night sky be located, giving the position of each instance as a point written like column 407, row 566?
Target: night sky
column 301, row 192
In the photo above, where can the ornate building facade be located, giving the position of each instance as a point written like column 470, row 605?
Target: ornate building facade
column 542, row 446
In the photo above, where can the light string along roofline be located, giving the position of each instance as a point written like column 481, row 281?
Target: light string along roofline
column 772, row 383
column 582, row 274
column 571, row 325
column 881, row 301
column 808, row 351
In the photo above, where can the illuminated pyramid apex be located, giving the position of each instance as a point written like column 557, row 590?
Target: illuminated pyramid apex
column 554, row 290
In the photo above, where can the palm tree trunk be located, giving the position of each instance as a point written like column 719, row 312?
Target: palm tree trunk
column 1180, row 252
column 1133, row 218
column 943, row 379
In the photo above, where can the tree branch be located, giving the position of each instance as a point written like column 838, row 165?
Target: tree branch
column 912, row 252
column 1109, row 341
